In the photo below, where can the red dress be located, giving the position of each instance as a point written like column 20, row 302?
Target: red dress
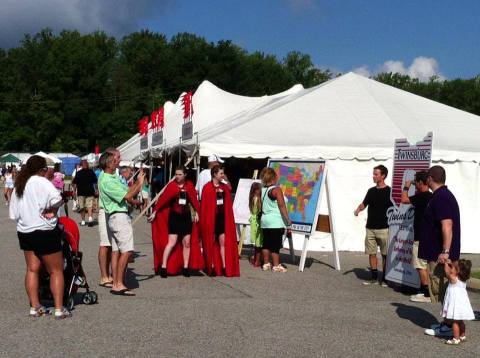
column 160, row 232
column 211, row 246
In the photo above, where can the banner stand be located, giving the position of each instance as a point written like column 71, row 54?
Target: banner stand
column 303, row 257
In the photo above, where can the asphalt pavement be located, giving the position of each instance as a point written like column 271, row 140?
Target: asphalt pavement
column 320, row 312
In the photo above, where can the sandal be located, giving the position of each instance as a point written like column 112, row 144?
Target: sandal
column 279, row 268
column 267, row 266
column 453, row 341
column 62, row 313
column 106, row 284
column 462, row 338
column 39, row 311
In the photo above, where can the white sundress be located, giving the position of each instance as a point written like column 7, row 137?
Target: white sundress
column 456, row 305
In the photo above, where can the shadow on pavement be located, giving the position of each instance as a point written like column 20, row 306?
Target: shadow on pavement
column 132, row 279
column 416, row 315
column 360, row 273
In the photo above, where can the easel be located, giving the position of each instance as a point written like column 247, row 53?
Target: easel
column 241, row 232
column 331, row 230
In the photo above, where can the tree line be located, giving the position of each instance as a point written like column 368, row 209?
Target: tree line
column 68, row 92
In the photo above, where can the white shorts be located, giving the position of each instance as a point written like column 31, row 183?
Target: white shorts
column 120, row 232
column 102, row 228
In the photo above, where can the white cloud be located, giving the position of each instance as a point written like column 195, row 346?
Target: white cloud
column 363, row 71
column 116, row 17
column 421, row 67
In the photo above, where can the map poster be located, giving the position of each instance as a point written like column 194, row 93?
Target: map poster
column 301, row 182
column 408, row 159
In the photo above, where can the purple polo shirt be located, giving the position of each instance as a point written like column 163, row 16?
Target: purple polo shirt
column 442, row 206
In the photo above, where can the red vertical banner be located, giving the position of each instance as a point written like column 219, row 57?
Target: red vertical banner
column 187, row 106
column 143, row 126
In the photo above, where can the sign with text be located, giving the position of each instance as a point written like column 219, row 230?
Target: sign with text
column 187, row 130
column 157, row 138
column 408, row 159
column 144, row 143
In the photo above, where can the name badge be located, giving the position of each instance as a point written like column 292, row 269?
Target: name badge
column 182, row 199
column 220, row 197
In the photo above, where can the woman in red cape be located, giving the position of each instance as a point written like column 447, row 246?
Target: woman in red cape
column 175, row 237
column 217, row 224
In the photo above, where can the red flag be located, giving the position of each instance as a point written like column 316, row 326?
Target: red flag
column 187, row 105
column 161, row 118
column 97, row 149
column 143, row 126
column 153, row 119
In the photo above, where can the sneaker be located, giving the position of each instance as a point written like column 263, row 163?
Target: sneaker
column 279, row 268
column 82, row 223
column 420, row 297
column 39, row 311
column 453, row 341
column 267, row 267
column 372, row 281
column 442, row 330
column 384, row 283
column 62, row 313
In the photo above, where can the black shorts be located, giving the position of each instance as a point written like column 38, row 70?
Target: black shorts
column 179, row 224
column 42, row 242
column 219, row 224
column 273, row 239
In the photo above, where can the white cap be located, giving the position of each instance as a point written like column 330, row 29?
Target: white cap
column 215, row 158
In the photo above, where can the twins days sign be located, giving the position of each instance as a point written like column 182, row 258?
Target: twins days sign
column 408, row 159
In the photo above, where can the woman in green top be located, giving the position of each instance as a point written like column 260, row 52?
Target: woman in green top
column 274, row 220
column 255, row 205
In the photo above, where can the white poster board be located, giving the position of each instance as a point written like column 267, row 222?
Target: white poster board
column 408, row 159
column 241, row 210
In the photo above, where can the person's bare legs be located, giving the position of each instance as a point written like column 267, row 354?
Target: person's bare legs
column 266, row 256
column 90, row 212
column 172, row 241
column 456, row 329
column 276, row 258
column 32, row 279
column 82, row 214
column 54, row 265
column 373, row 261
column 104, row 259
column 9, row 194
column 114, row 263
column 221, row 241
column 461, row 325
column 122, row 264
column 186, row 250
column 423, row 276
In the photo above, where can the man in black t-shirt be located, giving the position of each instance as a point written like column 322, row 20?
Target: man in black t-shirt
column 84, row 185
column 378, row 202
column 419, row 201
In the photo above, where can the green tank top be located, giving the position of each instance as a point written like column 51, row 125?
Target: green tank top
column 271, row 216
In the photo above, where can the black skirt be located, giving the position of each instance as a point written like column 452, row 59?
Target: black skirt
column 42, row 242
column 179, row 224
column 219, row 224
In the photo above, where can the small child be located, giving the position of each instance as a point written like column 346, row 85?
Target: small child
column 255, row 205
column 456, row 306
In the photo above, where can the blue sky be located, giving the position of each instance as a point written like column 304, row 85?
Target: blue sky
column 419, row 38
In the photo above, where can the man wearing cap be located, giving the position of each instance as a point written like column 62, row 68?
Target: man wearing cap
column 205, row 175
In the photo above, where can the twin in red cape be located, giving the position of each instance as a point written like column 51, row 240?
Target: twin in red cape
column 211, row 247
column 160, row 232
column 211, row 260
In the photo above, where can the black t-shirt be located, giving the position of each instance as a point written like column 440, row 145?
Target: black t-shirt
column 378, row 201
column 420, row 202
column 85, row 180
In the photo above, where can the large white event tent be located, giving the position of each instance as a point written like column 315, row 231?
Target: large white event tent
column 351, row 121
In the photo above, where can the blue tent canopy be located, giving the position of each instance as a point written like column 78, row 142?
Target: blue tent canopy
column 68, row 164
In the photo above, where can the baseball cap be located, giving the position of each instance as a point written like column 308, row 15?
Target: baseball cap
column 215, row 158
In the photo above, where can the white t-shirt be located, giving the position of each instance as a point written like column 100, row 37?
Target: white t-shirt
column 204, row 177
column 27, row 211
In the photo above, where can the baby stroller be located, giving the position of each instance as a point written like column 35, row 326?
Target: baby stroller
column 72, row 268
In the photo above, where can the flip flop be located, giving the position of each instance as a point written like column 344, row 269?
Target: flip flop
column 124, row 292
column 108, row 284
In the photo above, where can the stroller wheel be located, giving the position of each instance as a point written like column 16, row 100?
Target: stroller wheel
column 87, row 298
column 94, row 297
column 70, row 303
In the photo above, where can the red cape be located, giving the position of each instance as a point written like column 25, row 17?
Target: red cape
column 211, row 247
column 160, row 232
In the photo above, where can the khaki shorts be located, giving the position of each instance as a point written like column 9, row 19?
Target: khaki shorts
column 120, row 232
column 437, row 285
column 417, row 263
column 376, row 238
column 102, row 228
column 85, row 202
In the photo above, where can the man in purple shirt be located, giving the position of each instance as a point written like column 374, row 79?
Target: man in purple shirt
column 440, row 238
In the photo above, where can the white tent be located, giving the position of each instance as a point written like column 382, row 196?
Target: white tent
column 48, row 157
column 352, row 121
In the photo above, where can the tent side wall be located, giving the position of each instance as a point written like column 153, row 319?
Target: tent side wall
column 349, row 181
column 68, row 164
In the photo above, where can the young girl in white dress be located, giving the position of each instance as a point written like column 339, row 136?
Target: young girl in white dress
column 456, row 306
